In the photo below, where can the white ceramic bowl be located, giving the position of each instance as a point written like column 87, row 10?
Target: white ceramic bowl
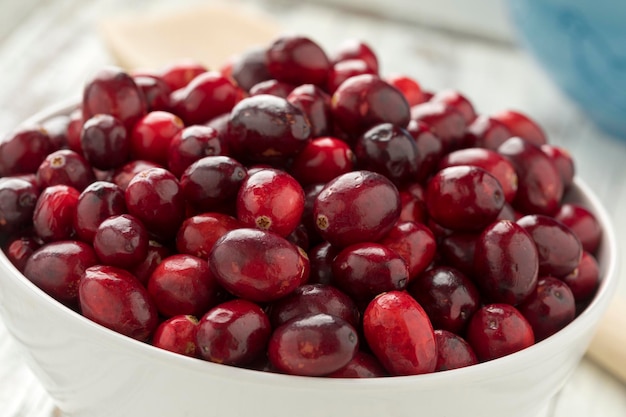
column 91, row 371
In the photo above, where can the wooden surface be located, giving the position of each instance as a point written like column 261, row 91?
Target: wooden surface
column 49, row 48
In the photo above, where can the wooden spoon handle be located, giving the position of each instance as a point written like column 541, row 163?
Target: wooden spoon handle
column 608, row 347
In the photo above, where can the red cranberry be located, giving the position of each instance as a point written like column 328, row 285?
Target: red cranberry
column 179, row 74
column 458, row 251
column 297, row 60
column 522, row 126
column 356, row 49
column 582, row 223
column 121, row 241
column 413, row 204
column 96, row 203
column 105, row 141
column 459, row 101
column 20, row 248
column 271, row 200
column 257, row 265
column 233, row 333
column 155, row 90
column 584, row 280
column 54, row 213
column 506, row 263
column 342, row 70
column 75, row 130
column 191, row 144
column 497, row 330
column 321, row 160
column 408, row 87
column 321, row 259
column 453, row 351
column 151, row 137
column 486, row 132
column 123, row 175
column 57, row 268
column 178, row 335
column 363, row 365
column 415, row 244
column 313, row 345
column 359, row 206
column 155, row 255
column 445, row 120
column 273, row 88
column 400, row 334
column 115, row 299
column 18, row 199
column 250, row 68
column 56, row 128
column 563, row 161
column 65, row 167
column 429, row 149
column 198, row 234
column 315, row 104
column 23, row 151
column 310, row 195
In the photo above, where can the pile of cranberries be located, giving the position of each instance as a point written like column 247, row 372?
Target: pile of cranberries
column 297, row 212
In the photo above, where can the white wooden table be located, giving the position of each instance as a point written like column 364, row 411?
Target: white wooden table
column 48, row 48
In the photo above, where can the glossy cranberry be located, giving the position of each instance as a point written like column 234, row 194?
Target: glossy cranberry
column 497, row 330
column 18, row 199
column 356, row 49
column 448, row 297
column 486, row 132
column 522, row 126
column 121, row 241
column 445, row 121
column 464, row 198
column 20, row 248
column 155, row 91
column 57, row 268
column 584, row 280
column 321, row 160
column 415, row 244
column 112, row 91
column 413, row 204
column 364, row 101
column 22, row 151
column 56, row 128
column 179, row 74
column 315, row 104
column 191, row 144
column 321, row 260
column 297, row 60
column 458, row 251
column 273, row 88
column 342, row 70
column 453, row 351
column 65, row 167
column 583, row 223
column 400, row 334
column 178, row 335
column 154, row 256
column 459, row 101
column 271, row 200
column 506, row 263
column 563, row 161
column 123, row 175
column 540, row 187
column 75, row 130
column 96, row 203
column 408, row 86
column 105, row 142
column 115, row 299
column 429, row 149
column 151, row 137
column 363, row 365
column 208, row 95
column 257, row 265
column 53, row 217
column 198, row 233
column 360, row 206
column 313, row 345
column 491, row 161
column 155, row 197
column 267, row 128
column 250, row 68
column 211, row 182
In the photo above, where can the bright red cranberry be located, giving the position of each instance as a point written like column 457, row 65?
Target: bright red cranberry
column 115, row 299
column 155, row 197
column 65, row 167
column 267, row 128
column 584, row 280
column 400, row 334
column 583, row 223
column 96, row 203
column 54, row 213
column 198, row 233
column 22, row 151
column 448, row 297
column 75, row 130
column 563, row 161
column 464, row 198
column 18, row 199
column 506, row 263
column 271, row 200
column 314, row 299
column 57, row 268
column 182, row 284
column 491, row 161
column 273, row 88
column 151, row 137
column 453, row 351
column 178, row 335
column 415, row 244
column 486, row 132
column 105, row 141
column 429, row 149
column 522, row 126
column 445, row 121
column 321, row 259
column 413, row 204
column 458, row 251
column 233, row 333
column 297, row 60
column 315, row 104
column 459, row 101
column 360, row 206
column 363, row 365
column 356, row 49
column 313, row 345
column 366, row 100
column 497, row 330
column 540, row 187
column 408, row 87
column 250, row 68
column 191, row 144
column 121, row 241
column 154, row 256
column 112, row 91
column 155, row 90
column 257, row 265
column 208, row 95
column 123, row 175
column 342, row 70
column 179, row 74
column 56, row 128
column 20, row 248
column 321, row 160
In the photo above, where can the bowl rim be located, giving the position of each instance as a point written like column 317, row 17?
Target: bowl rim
column 467, row 375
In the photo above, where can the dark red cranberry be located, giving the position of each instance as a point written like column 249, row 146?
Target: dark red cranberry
column 123, row 175
column 321, row 160
column 413, row 204
column 583, row 223
column 250, row 68
column 415, row 244
column 453, row 351
column 191, row 144
column 151, row 137
column 180, row 73
column 429, row 149
column 96, row 203
column 321, row 259
column 408, row 87
column 257, row 265
column 448, row 297
column 273, row 88
column 178, row 335
column 506, row 263
column 75, row 130
column 105, row 141
column 400, row 334
column 198, row 233
column 363, row 365
column 297, row 60
column 18, row 199
column 364, row 101
column 65, row 167
column 563, row 161
column 121, row 241
column 54, row 213
column 315, row 104
column 458, row 251
column 154, row 256
column 457, row 100
column 112, row 91
column 155, row 90
column 445, row 121
column 313, row 345
column 310, row 194
column 299, row 237
column 22, row 151
column 584, row 280
column 497, row 330
column 356, row 49
column 360, row 206
column 342, row 70
column 57, row 268
column 486, row 132
column 115, row 299
column 20, row 248
column 56, row 128
column 522, row 126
